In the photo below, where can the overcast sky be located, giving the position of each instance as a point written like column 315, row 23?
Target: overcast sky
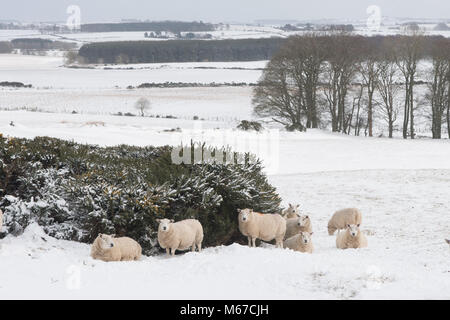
column 218, row 11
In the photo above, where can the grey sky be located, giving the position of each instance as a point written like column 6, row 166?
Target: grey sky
column 218, row 10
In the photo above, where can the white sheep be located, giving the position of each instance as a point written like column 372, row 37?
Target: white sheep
column 296, row 225
column 342, row 218
column 300, row 242
column 108, row 248
column 291, row 212
column 255, row 225
column 180, row 235
column 352, row 237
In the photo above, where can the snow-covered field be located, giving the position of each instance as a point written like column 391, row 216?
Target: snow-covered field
column 48, row 72
column 402, row 188
column 233, row 31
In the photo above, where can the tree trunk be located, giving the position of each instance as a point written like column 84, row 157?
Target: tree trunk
column 406, row 111
column 391, row 126
column 411, row 108
column 370, row 113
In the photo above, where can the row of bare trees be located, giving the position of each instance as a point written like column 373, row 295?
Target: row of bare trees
column 345, row 80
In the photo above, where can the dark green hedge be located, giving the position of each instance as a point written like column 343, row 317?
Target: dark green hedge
column 76, row 191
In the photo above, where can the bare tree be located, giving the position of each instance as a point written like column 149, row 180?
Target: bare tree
column 388, row 90
column 278, row 97
column 369, row 70
column 407, row 55
column 339, row 72
column 356, row 105
column 287, row 91
column 439, row 87
column 143, row 104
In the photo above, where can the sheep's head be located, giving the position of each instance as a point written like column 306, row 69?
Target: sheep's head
column 294, row 208
column 244, row 215
column 302, row 220
column 353, row 229
column 164, row 224
column 305, row 237
column 106, row 241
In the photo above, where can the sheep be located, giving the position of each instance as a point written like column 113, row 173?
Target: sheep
column 300, row 242
column 291, row 212
column 108, row 248
column 180, row 235
column 342, row 218
column 296, row 225
column 255, row 225
column 352, row 237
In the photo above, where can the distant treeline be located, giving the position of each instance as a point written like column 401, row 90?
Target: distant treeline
column 180, row 51
column 170, row 26
column 34, row 44
column 14, row 84
column 5, row 47
column 190, row 85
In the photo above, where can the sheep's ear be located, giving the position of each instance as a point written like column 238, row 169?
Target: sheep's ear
column 348, row 226
column 311, row 233
column 172, row 221
column 290, row 205
column 297, row 206
column 158, row 220
column 239, row 210
column 100, row 235
column 306, row 216
column 358, row 225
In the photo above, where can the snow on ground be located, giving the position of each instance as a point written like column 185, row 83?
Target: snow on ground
column 407, row 257
column 402, row 188
column 233, row 31
column 209, row 103
column 49, row 72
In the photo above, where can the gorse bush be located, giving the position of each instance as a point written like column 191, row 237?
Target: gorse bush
column 76, row 191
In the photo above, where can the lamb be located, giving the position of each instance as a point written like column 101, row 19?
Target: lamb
column 180, row 235
column 108, row 248
column 291, row 211
column 296, row 225
column 342, row 218
column 255, row 225
column 300, row 242
column 352, row 237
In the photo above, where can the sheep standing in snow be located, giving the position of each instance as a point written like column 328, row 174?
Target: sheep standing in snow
column 300, row 242
column 352, row 237
column 291, row 212
column 296, row 225
column 108, row 248
column 255, row 225
column 342, row 218
column 180, row 235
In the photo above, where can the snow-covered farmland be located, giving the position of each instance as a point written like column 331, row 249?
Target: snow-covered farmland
column 48, row 72
column 402, row 188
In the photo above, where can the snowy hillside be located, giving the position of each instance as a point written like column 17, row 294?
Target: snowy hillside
column 400, row 186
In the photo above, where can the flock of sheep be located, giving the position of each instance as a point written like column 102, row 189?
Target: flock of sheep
column 290, row 229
